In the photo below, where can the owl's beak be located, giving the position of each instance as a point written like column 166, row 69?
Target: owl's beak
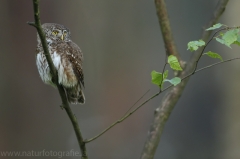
column 62, row 37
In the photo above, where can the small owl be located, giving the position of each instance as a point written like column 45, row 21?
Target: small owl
column 67, row 58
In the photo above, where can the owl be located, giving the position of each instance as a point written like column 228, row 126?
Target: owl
column 67, row 58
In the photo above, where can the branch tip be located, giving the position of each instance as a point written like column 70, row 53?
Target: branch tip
column 32, row 24
column 62, row 107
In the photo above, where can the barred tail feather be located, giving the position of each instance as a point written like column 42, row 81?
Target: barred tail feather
column 75, row 95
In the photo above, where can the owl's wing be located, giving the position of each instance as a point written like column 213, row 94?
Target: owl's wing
column 75, row 56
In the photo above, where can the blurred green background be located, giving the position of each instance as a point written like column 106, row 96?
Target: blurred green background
column 122, row 44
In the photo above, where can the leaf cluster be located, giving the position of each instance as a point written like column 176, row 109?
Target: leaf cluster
column 159, row 78
column 226, row 36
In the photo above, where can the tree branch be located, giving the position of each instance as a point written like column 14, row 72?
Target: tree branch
column 165, row 28
column 163, row 112
column 65, row 105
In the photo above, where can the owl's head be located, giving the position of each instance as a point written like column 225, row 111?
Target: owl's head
column 56, row 32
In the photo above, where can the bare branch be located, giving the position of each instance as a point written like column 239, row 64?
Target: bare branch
column 37, row 25
column 165, row 28
column 169, row 101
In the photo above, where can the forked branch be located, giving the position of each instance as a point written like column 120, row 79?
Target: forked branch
column 163, row 112
column 184, row 74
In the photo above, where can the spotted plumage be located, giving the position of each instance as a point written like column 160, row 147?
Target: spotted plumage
column 67, row 58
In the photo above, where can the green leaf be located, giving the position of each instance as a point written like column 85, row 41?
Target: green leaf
column 230, row 37
column 237, row 42
column 216, row 26
column 220, row 40
column 175, row 81
column 156, row 77
column 173, row 62
column 194, row 45
column 213, row 55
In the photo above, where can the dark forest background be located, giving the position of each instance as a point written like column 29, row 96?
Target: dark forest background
column 122, row 44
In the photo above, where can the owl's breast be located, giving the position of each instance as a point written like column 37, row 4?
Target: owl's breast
column 43, row 68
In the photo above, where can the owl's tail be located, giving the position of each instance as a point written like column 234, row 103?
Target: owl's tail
column 75, row 95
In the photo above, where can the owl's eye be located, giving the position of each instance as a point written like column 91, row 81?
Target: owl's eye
column 64, row 32
column 55, row 32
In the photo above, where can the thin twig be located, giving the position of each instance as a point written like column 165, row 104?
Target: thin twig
column 122, row 119
column 37, row 25
column 202, row 50
column 136, row 102
column 164, row 67
column 206, row 67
